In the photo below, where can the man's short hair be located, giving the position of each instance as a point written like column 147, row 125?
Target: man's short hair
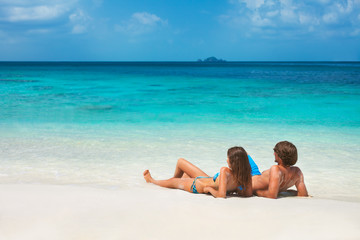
column 287, row 152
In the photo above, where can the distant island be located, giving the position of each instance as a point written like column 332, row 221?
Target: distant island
column 211, row 59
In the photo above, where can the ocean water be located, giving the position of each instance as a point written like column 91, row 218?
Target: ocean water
column 102, row 124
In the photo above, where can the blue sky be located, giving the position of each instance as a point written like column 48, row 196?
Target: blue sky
column 182, row 30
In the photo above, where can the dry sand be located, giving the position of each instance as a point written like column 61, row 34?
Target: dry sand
column 150, row 212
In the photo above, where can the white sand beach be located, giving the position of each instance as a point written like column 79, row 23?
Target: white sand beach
column 31, row 211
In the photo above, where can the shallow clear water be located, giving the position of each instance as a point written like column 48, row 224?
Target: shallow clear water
column 104, row 123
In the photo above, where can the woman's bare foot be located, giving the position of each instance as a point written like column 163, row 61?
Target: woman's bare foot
column 147, row 176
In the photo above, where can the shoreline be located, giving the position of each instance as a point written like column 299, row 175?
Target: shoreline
column 39, row 211
column 119, row 159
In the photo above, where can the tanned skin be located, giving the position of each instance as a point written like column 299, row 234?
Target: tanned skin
column 184, row 175
column 278, row 179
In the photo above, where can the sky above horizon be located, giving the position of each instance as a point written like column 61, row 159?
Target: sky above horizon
column 165, row 30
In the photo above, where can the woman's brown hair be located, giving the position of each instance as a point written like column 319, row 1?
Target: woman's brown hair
column 240, row 166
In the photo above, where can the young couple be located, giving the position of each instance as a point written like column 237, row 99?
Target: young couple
column 242, row 175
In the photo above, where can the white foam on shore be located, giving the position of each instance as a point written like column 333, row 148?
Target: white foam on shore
column 36, row 212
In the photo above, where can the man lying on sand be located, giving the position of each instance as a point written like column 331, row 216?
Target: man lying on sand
column 282, row 176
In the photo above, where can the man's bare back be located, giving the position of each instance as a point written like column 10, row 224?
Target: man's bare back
column 280, row 177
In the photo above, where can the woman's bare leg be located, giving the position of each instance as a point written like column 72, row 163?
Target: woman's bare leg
column 185, row 169
column 185, row 176
column 178, row 183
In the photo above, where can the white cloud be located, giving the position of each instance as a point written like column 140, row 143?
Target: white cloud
column 288, row 11
column 336, row 12
column 330, row 17
column 44, row 16
column 30, row 3
column 35, row 10
column 259, row 21
column 345, row 8
column 146, row 18
column 307, row 19
column 20, row 2
column 323, row 1
column 39, row 31
column 270, row 3
column 78, row 29
column 140, row 23
column 290, row 17
column 80, row 21
column 253, row 4
column 36, row 13
column 272, row 13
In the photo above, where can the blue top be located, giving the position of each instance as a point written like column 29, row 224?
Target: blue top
column 254, row 169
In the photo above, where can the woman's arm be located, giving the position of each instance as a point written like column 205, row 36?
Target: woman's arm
column 248, row 192
column 211, row 190
column 223, row 178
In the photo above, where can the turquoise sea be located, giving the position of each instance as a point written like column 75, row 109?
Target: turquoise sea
column 102, row 123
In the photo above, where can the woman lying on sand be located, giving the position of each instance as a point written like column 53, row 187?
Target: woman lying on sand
column 235, row 178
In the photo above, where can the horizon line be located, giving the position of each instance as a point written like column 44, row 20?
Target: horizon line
column 174, row 61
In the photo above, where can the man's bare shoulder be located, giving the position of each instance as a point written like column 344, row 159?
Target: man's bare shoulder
column 297, row 174
column 295, row 170
column 293, row 176
column 280, row 169
column 275, row 169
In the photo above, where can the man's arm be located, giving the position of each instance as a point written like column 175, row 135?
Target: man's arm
column 300, row 185
column 274, row 184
